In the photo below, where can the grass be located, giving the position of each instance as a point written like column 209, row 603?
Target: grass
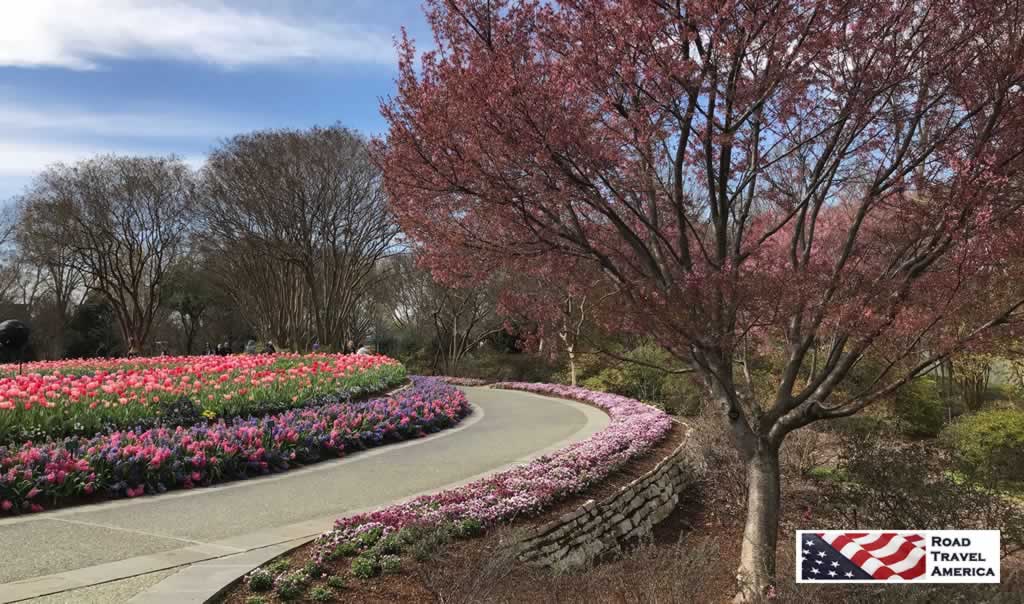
column 828, row 473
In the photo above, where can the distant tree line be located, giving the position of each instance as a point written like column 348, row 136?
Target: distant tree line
column 281, row 236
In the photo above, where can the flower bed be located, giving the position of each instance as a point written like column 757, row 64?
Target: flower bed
column 524, row 490
column 462, row 381
column 136, row 462
column 86, row 397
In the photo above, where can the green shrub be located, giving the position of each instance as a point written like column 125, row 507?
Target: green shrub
column 860, row 425
column 645, row 382
column 368, row 539
column 336, row 581
column 255, row 600
column 424, row 542
column 312, row 569
column 506, row 366
column 365, row 567
column 991, row 442
column 345, row 549
column 919, row 409
column 424, row 550
column 261, row 580
column 411, row 534
column 828, row 474
column 321, row 594
column 641, row 379
column 278, row 566
column 292, row 585
column 885, row 483
column 646, row 376
column 682, row 395
column 390, row 564
column 610, row 379
column 391, row 544
column 470, row 527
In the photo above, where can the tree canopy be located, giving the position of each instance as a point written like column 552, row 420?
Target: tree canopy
column 833, row 173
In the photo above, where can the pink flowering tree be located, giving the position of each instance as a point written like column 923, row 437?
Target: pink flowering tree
column 839, row 178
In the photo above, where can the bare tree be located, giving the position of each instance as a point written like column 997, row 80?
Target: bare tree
column 460, row 319
column 116, row 223
column 57, row 282
column 188, row 297
column 284, row 206
column 266, row 292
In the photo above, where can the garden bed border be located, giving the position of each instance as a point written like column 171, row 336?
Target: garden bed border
column 600, row 528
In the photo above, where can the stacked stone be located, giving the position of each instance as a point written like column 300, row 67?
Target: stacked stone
column 599, row 528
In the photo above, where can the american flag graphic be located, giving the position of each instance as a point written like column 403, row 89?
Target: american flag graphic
column 874, row 556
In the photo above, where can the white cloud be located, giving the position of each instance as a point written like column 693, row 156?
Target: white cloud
column 81, row 34
column 21, row 161
column 34, row 136
column 21, row 158
column 62, row 120
column 28, row 158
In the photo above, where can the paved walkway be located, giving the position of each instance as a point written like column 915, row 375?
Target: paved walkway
column 67, row 551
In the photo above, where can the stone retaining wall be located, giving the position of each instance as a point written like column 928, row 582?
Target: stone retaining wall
column 599, row 528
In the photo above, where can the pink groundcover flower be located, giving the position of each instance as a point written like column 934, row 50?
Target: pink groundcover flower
column 527, row 489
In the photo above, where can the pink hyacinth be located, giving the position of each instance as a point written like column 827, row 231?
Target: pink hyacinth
column 93, row 465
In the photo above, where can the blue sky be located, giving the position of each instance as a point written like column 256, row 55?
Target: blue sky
column 82, row 77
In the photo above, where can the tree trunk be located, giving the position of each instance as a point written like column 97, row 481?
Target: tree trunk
column 760, row 534
column 572, row 367
column 190, row 339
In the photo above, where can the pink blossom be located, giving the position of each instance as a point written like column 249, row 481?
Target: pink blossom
column 526, row 489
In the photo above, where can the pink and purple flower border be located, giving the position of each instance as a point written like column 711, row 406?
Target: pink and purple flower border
column 128, row 463
column 635, row 428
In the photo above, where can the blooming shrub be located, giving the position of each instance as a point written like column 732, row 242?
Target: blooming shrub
column 365, row 567
column 135, row 462
column 291, row 585
column 86, row 397
column 527, row 489
column 390, row 564
column 260, row 580
column 320, row 593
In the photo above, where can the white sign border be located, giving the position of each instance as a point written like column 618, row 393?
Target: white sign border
column 927, row 578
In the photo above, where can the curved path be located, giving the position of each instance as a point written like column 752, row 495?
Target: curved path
column 66, row 551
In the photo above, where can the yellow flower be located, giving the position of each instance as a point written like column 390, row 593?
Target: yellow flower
column 209, row 414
